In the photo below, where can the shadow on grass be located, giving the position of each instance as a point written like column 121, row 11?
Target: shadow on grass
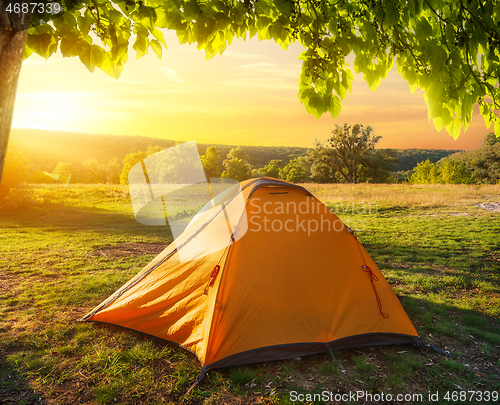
column 464, row 326
column 14, row 389
column 54, row 217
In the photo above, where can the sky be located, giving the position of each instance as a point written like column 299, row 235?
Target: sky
column 247, row 96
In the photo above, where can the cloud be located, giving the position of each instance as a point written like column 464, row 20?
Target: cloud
column 170, row 74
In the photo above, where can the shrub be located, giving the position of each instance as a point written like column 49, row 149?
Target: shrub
column 14, row 190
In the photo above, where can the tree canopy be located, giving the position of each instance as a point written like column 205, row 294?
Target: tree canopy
column 448, row 48
column 349, row 152
column 236, row 165
column 211, row 162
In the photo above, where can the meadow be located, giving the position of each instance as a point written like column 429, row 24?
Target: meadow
column 71, row 248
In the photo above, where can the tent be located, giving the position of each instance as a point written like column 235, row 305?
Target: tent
column 263, row 272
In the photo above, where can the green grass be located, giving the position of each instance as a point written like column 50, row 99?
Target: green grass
column 445, row 268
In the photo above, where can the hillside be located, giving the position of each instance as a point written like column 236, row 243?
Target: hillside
column 44, row 149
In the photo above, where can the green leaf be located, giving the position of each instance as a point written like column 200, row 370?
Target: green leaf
column 92, row 56
column 275, row 31
column 159, row 36
column 174, row 21
column 27, row 51
column 454, row 128
column 424, row 30
column 360, row 63
column 85, row 21
column 314, row 105
column 449, row 34
column 497, row 126
column 43, row 44
column 107, row 67
column 392, row 15
column 115, row 16
column 336, row 107
column 284, row 6
column 156, row 47
column 67, row 45
column 141, row 45
column 496, row 15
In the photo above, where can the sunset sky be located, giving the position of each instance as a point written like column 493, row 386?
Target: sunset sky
column 247, row 96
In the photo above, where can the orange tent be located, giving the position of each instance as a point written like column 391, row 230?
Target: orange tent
column 290, row 280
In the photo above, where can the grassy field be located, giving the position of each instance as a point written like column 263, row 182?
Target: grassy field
column 75, row 245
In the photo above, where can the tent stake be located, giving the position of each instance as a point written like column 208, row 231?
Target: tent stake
column 334, row 359
column 198, row 380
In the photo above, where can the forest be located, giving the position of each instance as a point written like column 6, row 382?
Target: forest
column 99, row 158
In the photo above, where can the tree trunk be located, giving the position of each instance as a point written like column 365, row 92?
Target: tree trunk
column 13, row 32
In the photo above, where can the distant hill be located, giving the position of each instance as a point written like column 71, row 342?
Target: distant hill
column 44, row 149
column 408, row 158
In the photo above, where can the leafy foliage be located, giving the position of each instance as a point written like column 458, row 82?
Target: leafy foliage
column 350, row 152
column 87, row 172
column 483, row 164
column 133, row 158
column 273, row 168
column 14, row 189
column 454, row 172
column 408, row 158
column 425, row 173
column 81, row 150
column 211, row 162
column 79, row 147
column 451, row 50
column 294, row 171
column 236, row 165
column 447, row 171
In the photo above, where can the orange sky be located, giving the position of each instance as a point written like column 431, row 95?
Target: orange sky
column 246, row 96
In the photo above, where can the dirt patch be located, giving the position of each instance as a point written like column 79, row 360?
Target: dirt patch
column 130, row 248
column 489, row 206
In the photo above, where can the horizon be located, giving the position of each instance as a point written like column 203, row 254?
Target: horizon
column 247, row 96
column 15, row 137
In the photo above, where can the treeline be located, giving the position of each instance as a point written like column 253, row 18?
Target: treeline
column 45, row 150
column 56, row 156
column 409, row 158
column 348, row 156
column 480, row 166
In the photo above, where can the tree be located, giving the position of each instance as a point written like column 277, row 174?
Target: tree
column 211, row 163
column 236, row 166
column 133, row 158
column 94, row 171
column 425, row 173
column 484, row 163
column 321, row 168
column 294, row 171
column 349, row 150
column 451, row 50
column 66, row 171
column 16, row 174
column 273, row 168
column 454, row 172
column 446, row 171
column 491, row 139
column 113, row 170
column 378, row 166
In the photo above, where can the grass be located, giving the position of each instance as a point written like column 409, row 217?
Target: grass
column 65, row 253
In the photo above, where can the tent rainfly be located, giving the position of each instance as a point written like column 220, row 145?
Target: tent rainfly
column 264, row 272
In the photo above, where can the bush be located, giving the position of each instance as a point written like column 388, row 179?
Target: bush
column 447, row 171
column 14, row 190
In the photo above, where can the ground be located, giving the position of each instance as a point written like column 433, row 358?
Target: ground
column 68, row 249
